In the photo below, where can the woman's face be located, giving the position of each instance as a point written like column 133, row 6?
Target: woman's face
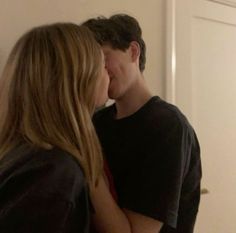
column 102, row 86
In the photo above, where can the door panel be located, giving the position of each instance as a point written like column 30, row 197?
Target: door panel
column 214, row 116
column 205, row 90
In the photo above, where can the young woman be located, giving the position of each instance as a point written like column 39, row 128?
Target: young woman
column 50, row 157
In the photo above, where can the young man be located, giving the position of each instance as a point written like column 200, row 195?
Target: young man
column 151, row 148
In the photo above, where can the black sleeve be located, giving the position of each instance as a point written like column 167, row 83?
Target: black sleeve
column 154, row 189
column 33, row 214
column 46, row 197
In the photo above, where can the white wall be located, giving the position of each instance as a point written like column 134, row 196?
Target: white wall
column 17, row 16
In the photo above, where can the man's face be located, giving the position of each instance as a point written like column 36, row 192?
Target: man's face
column 120, row 68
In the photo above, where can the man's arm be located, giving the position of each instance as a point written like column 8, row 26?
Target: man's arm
column 109, row 218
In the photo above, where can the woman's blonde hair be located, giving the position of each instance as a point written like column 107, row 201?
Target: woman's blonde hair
column 47, row 94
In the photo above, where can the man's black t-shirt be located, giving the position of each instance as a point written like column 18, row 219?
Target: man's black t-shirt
column 42, row 191
column 154, row 157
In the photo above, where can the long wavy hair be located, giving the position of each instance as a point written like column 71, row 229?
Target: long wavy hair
column 47, row 94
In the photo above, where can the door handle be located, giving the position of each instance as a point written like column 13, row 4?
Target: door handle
column 204, row 191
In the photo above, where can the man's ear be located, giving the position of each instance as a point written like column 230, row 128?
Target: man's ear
column 135, row 50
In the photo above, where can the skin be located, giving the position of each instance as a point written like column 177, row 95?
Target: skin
column 127, row 85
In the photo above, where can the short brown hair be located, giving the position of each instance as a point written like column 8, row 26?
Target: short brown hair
column 118, row 31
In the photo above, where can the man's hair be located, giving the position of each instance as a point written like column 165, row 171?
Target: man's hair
column 118, row 31
column 49, row 82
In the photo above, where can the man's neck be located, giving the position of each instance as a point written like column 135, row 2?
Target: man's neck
column 133, row 100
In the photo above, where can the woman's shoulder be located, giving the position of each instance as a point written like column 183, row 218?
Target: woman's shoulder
column 47, row 172
column 26, row 157
column 58, row 158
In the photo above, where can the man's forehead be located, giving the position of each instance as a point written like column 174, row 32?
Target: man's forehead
column 107, row 48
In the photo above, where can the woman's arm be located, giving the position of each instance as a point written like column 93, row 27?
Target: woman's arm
column 109, row 218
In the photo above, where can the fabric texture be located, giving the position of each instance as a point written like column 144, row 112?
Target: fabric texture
column 42, row 191
column 154, row 157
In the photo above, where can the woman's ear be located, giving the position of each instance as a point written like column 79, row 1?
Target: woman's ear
column 135, row 50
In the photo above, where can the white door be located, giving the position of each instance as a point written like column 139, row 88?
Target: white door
column 201, row 80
